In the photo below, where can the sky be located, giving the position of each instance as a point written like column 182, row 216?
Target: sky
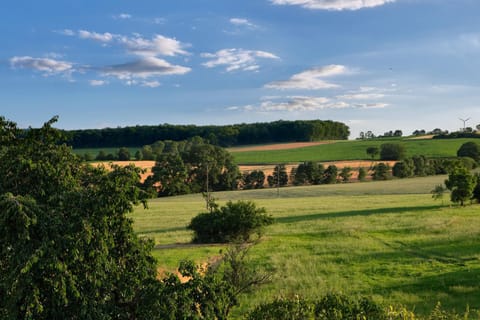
column 375, row 65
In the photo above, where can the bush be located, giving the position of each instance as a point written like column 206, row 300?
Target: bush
column 381, row 172
column 232, row 222
column 470, row 149
column 392, row 151
column 280, row 309
column 340, row 307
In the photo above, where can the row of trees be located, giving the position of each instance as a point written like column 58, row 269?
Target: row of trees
column 228, row 135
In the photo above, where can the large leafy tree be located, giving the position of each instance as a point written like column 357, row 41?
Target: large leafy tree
column 67, row 247
column 461, row 183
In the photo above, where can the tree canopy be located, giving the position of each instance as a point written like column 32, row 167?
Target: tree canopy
column 67, row 248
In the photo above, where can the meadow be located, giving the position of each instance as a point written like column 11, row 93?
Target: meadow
column 387, row 240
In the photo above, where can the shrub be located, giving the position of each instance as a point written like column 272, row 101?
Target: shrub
column 232, row 222
column 281, row 309
column 392, row 151
column 403, row 169
column 381, row 172
column 469, row 149
column 362, row 173
column 340, row 307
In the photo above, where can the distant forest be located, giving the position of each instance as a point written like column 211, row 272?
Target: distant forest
column 225, row 136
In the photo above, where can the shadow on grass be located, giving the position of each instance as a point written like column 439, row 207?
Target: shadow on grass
column 147, row 232
column 353, row 213
column 455, row 290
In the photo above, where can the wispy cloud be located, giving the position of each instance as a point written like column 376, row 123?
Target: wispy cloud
column 310, row 79
column 151, row 84
column 98, row 83
column 236, row 59
column 158, row 45
column 122, row 16
column 304, row 104
column 47, row 66
column 241, row 22
column 144, row 68
column 101, row 37
column 333, row 5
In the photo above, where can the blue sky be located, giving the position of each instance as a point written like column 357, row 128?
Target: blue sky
column 375, row 65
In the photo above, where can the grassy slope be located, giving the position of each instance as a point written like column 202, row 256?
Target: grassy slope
column 388, row 240
column 350, row 150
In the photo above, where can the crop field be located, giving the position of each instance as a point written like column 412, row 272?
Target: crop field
column 388, row 240
column 348, row 150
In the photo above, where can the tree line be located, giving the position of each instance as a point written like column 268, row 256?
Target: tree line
column 226, row 135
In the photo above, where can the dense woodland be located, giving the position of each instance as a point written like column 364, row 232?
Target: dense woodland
column 228, row 135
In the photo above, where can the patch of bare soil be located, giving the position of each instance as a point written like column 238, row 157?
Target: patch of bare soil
column 430, row 136
column 280, row 146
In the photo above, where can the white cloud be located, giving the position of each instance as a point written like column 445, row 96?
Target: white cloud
column 242, row 23
column 151, row 84
column 144, row 68
column 378, row 105
column 98, row 83
column 362, row 96
column 158, row 45
column 310, row 79
column 46, row 65
column 123, row 16
column 66, row 32
column 236, row 59
column 101, row 37
column 333, row 5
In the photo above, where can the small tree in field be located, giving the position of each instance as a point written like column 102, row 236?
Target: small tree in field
column 381, row 172
column 236, row 221
column 362, row 174
column 372, row 152
column 461, row 184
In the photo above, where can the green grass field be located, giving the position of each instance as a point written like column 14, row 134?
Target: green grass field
column 388, row 240
column 350, row 150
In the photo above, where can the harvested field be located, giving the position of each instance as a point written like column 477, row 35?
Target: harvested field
column 146, row 165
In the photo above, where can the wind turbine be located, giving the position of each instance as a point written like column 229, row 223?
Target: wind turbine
column 464, row 123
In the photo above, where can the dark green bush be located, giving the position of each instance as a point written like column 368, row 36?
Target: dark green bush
column 280, row 309
column 232, row 222
column 340, row 307
column 469, row 149
column 392, row 151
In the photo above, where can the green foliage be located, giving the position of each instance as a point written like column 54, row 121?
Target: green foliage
column 403, row 169
column 330, row 175
column 232, row 222
column 193, row 166
column 381, row 171
column 254, row 179
column 283, row 309
column 372, row 152
column 67, row 248
column 461, row 183
column 340, row 307
column 123, row 154
column 308, row 172
column 346, row 174
column 392, row 151
column 476, row 190
column 438, row 192
column 228, row 135
column 279, row 177
column 362, row 174
column 470, row 149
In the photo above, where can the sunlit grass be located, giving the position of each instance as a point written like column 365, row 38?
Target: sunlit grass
column 388, row 240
